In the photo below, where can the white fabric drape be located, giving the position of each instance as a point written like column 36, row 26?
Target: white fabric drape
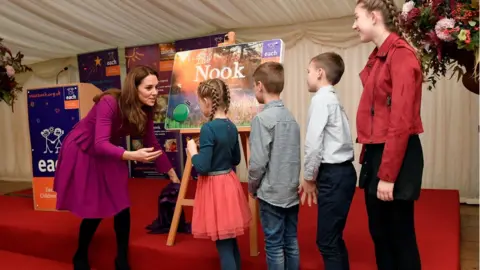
column 450, row 113
column 87, row 25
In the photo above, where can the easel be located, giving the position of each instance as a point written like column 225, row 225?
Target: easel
column 182, row 201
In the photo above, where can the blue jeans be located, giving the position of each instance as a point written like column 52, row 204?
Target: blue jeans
column 229, row 254
column 280, row 229
column 336, row 187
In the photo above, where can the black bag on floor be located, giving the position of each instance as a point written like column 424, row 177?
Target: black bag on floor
column 166, row 208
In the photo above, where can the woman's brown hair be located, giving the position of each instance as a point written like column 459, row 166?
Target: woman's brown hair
column 216, row 90
column 133, row 111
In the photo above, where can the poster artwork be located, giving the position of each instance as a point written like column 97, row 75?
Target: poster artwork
column 101, row 69
column 234, row 64
column 52, row 114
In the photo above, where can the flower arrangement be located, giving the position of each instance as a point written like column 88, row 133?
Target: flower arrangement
column 446, row 35
column 9, row 65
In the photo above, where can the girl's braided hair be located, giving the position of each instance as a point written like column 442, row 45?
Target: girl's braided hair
column 389, row 13
column 216, row 90
column 391, row 17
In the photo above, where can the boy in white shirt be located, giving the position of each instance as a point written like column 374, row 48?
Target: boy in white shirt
column 329, row 175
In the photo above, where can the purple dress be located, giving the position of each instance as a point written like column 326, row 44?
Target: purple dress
column 91, row 179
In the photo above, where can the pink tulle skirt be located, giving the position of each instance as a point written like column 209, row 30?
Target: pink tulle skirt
column 221, row 209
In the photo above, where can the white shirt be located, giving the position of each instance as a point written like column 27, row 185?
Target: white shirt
column 328, row 138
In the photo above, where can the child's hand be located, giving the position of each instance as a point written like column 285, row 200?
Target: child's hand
column 192, row 147
column 309, row 192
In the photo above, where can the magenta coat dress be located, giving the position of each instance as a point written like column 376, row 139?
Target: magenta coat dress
column 91, row 179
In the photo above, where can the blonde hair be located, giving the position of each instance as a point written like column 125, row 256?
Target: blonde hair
column 389, row 12
column 391, row 17
column 216, row 90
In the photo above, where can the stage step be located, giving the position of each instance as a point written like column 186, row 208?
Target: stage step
column 17, row 261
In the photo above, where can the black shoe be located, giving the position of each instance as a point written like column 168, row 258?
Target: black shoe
column 121, row 265
column 80, row 264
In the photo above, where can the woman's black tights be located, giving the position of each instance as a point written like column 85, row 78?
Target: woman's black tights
column 87, row 230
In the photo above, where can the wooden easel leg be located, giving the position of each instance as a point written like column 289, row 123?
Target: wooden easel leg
column 181, row 201
column 252, row 202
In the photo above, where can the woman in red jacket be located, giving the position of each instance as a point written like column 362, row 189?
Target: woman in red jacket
column 388, row 124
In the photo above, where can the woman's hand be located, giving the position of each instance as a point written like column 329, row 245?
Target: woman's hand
column 192, row 147
column 145, row 154
column 173, row 176
column 385, row 191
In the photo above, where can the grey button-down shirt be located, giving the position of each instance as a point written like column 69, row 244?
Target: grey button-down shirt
column 328, row 138
column 274, row 166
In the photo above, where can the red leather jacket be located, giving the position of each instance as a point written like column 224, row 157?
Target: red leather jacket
column 389, row 109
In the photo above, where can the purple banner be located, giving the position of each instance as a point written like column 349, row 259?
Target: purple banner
column 199, row 43
column 272, row 48
column 148, row 55
column 101, row 69
column 159, row 57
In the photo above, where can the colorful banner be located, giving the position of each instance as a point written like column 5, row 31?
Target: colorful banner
column 160, row 57
column 52, row 113
column 101, row 69
column 234, row 64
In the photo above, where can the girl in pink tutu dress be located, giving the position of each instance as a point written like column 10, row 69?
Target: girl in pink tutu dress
column 220, row 210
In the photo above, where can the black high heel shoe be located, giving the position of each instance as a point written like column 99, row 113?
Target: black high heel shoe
column 121, row 265
column 80, row 264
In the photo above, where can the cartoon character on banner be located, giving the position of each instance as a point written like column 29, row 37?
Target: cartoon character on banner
column 56, row 142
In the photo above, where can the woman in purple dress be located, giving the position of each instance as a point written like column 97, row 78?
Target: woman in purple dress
column 91, row 178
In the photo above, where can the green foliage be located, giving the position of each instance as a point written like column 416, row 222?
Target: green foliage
column 9, row 66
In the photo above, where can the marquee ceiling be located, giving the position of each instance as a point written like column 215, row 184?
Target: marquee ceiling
column 47, row 29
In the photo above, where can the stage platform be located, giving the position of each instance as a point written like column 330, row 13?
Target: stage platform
column 53, row 235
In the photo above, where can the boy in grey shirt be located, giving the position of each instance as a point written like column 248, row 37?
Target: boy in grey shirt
column 274, row 168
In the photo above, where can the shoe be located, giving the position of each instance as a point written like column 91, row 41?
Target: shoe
column 80, row 264
column 121, row 265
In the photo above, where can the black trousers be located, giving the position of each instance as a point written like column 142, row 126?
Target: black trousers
column 392, row 228
column 89, row 226
column 391, row 224
column 336, row 187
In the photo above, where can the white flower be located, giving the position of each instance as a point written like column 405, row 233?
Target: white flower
column 10, row 71
column 441, row 29
column 407, row 7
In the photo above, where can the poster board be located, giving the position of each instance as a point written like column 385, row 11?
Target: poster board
column 52, row 113
column 234, row 64
column 101, row 69
column 160, row 58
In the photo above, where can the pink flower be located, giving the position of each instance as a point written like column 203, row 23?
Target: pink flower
column 442, row 29
column 406, row 8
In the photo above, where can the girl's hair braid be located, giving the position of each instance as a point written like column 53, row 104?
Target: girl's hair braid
column 217, row 91
column 391, row 16
column 388, row 10
column 215, row 102
column 394, row 15
column 227, row 98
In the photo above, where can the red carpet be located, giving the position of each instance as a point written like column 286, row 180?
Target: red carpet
column 53, row 235
column 11, row 261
